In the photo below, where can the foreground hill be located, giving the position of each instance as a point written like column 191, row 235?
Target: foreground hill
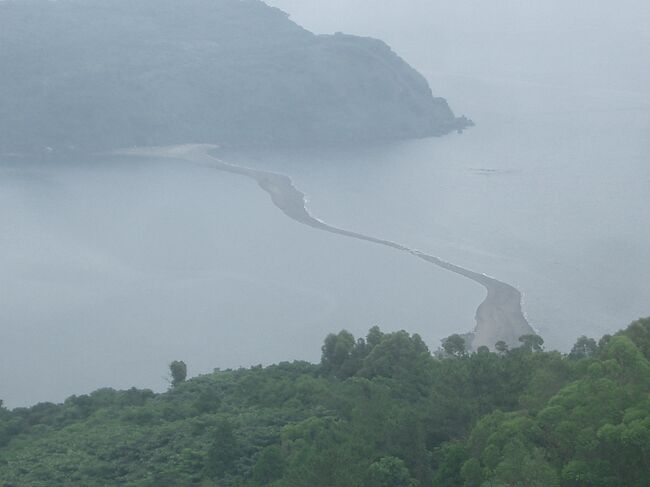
column 91, row 74
column 376, row 412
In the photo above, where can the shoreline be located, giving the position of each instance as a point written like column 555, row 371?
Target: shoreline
column 498, row 318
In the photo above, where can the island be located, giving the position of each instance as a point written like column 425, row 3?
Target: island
column 97, row 74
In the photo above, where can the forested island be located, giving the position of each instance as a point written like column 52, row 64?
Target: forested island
column 103, row 74
column 380, row 411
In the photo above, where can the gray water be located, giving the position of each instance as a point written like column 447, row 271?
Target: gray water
column 113, row 267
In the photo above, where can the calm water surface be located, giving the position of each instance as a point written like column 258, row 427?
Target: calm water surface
column 111, row 268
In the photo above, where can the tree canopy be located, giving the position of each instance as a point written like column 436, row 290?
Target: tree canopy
column 378, row 411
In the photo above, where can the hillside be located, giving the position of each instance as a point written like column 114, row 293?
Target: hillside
column 101, row 74
column 376, row 412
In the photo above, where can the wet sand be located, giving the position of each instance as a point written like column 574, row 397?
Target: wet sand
column 498, row 317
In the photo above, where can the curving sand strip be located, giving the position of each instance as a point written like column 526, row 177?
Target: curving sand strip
column 498, row 317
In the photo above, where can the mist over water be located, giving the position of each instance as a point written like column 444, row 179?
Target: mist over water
column 113, row 267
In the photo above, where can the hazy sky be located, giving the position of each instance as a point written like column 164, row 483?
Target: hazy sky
column 601, row 44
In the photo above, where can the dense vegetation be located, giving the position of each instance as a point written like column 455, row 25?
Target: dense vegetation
column 103, row 74
column 376, row 412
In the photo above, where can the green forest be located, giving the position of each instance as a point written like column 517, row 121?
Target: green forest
column 379, row 411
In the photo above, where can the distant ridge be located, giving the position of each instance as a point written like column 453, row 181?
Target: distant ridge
column 101, row 74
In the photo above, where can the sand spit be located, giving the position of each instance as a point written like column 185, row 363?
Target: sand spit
column 498, row 317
